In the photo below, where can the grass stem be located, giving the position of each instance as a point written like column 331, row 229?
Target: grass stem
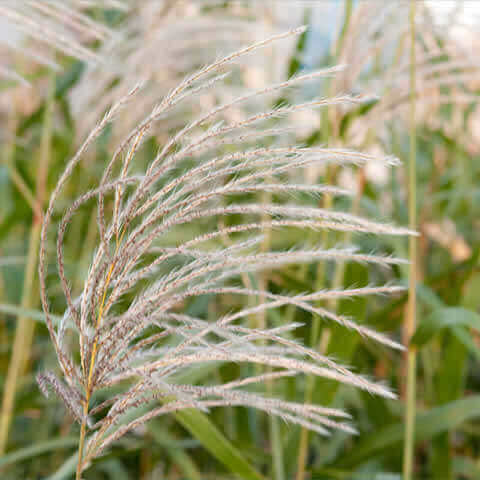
column 89, row 383
column 22, row 343
column 315, row 331
column 410, row 320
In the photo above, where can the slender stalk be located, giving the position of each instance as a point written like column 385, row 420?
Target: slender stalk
column 410, row 320
column 22, row 187
column 88, row 392
column 25, row 326
column 315, row 331
column 41, row 194
column 19, row 346
column 277, row 449
column 81, row 443
column 274, row 427
column 8, row 153
column 89, row 385
column 278, row 468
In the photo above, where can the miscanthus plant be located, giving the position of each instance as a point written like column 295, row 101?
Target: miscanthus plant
column 190, row 32
column 37, row 29
column 134, row 335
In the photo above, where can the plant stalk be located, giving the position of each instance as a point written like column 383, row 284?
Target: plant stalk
column 410, row 320
column 25, row 327
column 89, row 383
column 315, row 331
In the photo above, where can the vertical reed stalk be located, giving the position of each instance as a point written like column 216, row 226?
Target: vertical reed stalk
column 315, row 331
column 410, row 321
column 24, row 331
column 8, row 153
column 274, row 427
column 41, row 195
column 91, row 367
column 19, row 346
column 276, row 446
column 19, row 182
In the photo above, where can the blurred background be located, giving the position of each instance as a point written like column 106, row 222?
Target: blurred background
column 59, row 72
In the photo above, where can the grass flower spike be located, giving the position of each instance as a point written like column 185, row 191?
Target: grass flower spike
column 130, row 322
column 38, row 28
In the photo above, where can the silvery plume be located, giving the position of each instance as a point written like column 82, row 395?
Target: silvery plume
column 191, row 33
column 35, row 29
column 128, row 330
column 446, row 73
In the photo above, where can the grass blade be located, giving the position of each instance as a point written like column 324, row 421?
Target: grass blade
column 427, row 424
column 215, row 442
column 36, row 450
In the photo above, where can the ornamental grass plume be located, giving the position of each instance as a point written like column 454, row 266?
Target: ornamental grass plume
column 190, row 33
column 38, row 28
column 446, row 68
column 135, row 337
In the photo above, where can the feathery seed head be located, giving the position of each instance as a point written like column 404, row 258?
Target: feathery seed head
column 129, row 320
